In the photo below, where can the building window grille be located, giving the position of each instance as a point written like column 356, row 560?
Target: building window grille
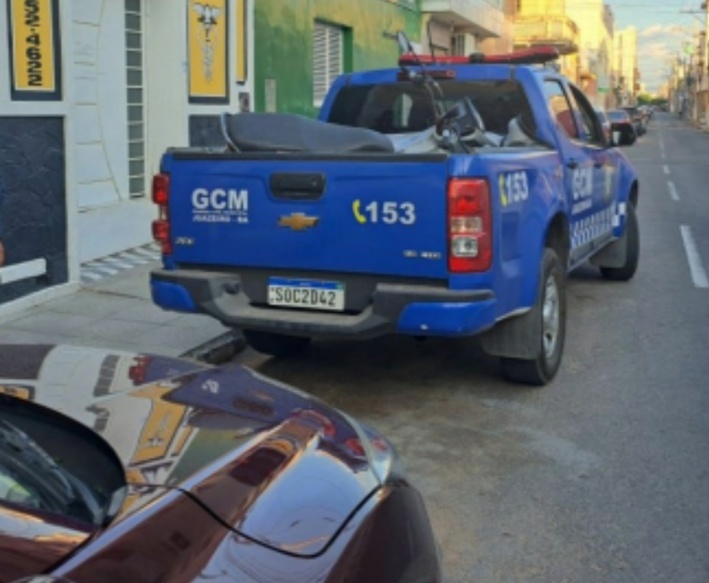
column 135, row 97
column 328, row 59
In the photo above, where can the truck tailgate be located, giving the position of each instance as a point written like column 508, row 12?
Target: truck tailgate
column 374, row 214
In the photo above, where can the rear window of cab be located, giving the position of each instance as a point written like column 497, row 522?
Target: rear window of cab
column 407, row 107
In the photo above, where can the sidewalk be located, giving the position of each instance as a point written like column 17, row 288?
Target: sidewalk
column 113, row 309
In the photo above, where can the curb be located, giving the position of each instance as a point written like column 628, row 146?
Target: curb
column 219, row 350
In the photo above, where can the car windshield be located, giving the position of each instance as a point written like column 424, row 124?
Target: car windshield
column 30, row 477
column 50, row 464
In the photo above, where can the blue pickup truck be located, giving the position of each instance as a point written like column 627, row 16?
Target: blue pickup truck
column 443, row 197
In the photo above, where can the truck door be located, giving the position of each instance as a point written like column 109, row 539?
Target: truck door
column 605, row 175
column 587, row 175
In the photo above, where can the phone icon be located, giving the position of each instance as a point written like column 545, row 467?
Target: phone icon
column 361, row 219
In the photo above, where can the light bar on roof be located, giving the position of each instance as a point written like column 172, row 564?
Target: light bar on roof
column 533, row 56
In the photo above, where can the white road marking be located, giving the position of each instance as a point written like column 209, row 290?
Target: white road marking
column 666, row 169
column 699, row 275
column 662, row 149
column 673, row 191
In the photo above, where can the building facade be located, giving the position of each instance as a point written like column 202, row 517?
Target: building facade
column 34, row 216
column 700, row 73
column 93, row 93
column 627, row 78
column 595, row 23
column 302, row 45
column 547, row 23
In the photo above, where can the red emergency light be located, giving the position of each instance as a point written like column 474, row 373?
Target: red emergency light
column 533, row 56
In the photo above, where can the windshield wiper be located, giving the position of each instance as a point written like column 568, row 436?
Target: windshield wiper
column 33, row 468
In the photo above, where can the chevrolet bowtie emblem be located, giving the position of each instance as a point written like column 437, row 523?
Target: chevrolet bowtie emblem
column 298, row 221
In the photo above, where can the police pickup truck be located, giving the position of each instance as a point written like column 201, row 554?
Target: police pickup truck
column 446, row 197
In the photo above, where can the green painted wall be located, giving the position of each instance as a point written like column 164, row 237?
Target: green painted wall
column 283, row 43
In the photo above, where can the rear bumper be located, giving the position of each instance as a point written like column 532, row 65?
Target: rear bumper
column 418, row 310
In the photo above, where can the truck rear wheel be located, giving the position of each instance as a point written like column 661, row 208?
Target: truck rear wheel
column 632, row 257
column 275, row 344
column 551, row 308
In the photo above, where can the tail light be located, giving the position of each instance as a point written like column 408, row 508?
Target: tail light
column 161, row 225
column 469, row 225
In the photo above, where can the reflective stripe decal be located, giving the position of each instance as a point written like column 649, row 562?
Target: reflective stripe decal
column 596, row 225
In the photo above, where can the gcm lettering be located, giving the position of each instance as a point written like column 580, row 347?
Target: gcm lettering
column 220, row 199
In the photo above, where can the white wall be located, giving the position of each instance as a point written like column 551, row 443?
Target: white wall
column 166, row 71
column 108, row 219
column 102, row 218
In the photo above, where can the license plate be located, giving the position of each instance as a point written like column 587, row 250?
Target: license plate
column 306, row 293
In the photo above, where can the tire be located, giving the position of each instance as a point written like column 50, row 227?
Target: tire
column 632, row 257
column 551, row 309
column 275, row 344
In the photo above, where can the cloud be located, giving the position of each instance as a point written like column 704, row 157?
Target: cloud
column 652, row 30
column 664, row 30
column 654, row 63
column 653, row 49
column 658, row 46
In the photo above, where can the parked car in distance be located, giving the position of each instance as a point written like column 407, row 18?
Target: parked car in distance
column 605, row 123
column 119, row 467
column 622, row 127
column 638, row 119
column 647, row 111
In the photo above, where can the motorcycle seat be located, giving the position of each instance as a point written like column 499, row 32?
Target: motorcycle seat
column 283, row 132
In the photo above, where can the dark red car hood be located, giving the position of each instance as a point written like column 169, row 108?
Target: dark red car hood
column 271, row 462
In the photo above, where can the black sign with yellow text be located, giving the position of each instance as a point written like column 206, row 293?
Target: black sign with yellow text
column 35, row 50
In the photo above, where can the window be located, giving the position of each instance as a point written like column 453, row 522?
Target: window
column 458, row 45
column 560, row 108
column 328, row 59
column 406, row 107
column 135, row 91
column 593, row 131
column 463, row 44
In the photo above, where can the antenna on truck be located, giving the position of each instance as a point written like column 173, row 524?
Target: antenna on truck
column 430, row 41
column 428, row 80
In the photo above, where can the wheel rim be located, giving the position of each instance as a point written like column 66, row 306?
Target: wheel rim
column 551, row 317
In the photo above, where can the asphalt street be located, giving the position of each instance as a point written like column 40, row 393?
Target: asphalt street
column 601, row 477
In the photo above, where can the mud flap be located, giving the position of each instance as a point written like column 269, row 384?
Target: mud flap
column 516, row 337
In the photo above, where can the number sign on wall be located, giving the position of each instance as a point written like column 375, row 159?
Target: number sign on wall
column 35, row 50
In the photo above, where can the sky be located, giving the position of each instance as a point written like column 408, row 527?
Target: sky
column 663, row 28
